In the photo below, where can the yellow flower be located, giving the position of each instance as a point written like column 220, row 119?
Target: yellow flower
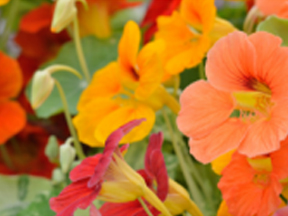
column 3, row 2
column 189, row 34
column 124, row 90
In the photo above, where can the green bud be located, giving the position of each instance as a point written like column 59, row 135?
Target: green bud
column 67, row 155
column 57, row 176
column 52, row 149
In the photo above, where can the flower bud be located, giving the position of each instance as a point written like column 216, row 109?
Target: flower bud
column 67, row 155
column 52, row 149
column 65, row 12
column 42, row 86
column 57, row 176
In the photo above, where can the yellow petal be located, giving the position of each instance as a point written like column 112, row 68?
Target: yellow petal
column 3, row 2
column 105, row 83
column 150, row 69
column 122, row 116
column 129, row 45
column 223, row 210
column 199, row 14
column 220, row 29
column 89, row 118
column 97, row 14
column 221, row 162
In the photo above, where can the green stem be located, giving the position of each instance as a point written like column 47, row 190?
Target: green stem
column 10, row 20
column 201, row 71
column 176, row 85
column 77, row 144
column 5, row 156
column 194, row 191
column 145, row 207
column 79, row 50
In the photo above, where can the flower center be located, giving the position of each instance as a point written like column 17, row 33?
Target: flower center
column 262, row 166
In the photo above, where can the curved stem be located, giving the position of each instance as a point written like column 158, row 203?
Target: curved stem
column 55, row 68
column 194, row 191
column 77, row 144
column 145, row 207
column 10, row 20
column 5, row 156
column 201, row 71
column 79, row 50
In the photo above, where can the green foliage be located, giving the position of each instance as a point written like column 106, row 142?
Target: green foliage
column 275, row 26
column 98, row 54
column 18, row 191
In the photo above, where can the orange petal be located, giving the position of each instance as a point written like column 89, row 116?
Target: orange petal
column 13, row 119
column 150, row 69
column 203, row 109
column 97, row 14
column 223, row 210
column 225, row 138
column 11, row 77
column 279, row 161
column 272, row 65
column 230, row 62
column 121, row 117
column 199, row 14
column 37, row 19
column 105, row 83
column 269, row 7
column 129, row 45
column 89, row 118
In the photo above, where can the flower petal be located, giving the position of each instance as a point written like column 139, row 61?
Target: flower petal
column 11, row 77
column 13, row 119
column 231, row 62
column 123, row 115
column 225, row 138
column 203, row 109
column 111, row 144
column 129, row 45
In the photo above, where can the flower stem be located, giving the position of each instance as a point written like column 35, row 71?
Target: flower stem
column 194, row 190
column 5, row 156
column 10, row 20
column 79, row 50
column 145, row 207
column 201, row 71
column 77, row 144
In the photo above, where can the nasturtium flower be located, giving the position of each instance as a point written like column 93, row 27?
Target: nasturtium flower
column 251, row 186
column 106, row 177
column 3, row 2
column 175, row 197
column 277, row 7
column 95, row 20
column 243, row 104
column 12, row 115
column 124, row 90
column 189, row 34
column 155, row 9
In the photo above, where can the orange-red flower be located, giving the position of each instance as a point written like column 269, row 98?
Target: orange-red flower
column 12, row 116
column 252, row 186
column 244, row 77
column 268, row 7
column 124, row 90
column 96, row 20
column 27, row 155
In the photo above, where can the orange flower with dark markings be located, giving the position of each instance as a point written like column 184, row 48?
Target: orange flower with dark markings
column 244, row 77
column 12, row 116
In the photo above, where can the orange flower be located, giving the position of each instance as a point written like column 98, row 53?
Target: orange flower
column 252, row 186
column 124, row 90
column 244, row 77
column 12, row 115
column 189, row 34
column 96, row 20
column 3, row 2
column 268, row 7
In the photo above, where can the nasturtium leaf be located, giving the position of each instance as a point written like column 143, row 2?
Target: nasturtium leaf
column 18, row 191
column 276, row 26
column 98, row 53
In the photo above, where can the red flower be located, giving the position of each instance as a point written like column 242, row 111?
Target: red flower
column 157, row 8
